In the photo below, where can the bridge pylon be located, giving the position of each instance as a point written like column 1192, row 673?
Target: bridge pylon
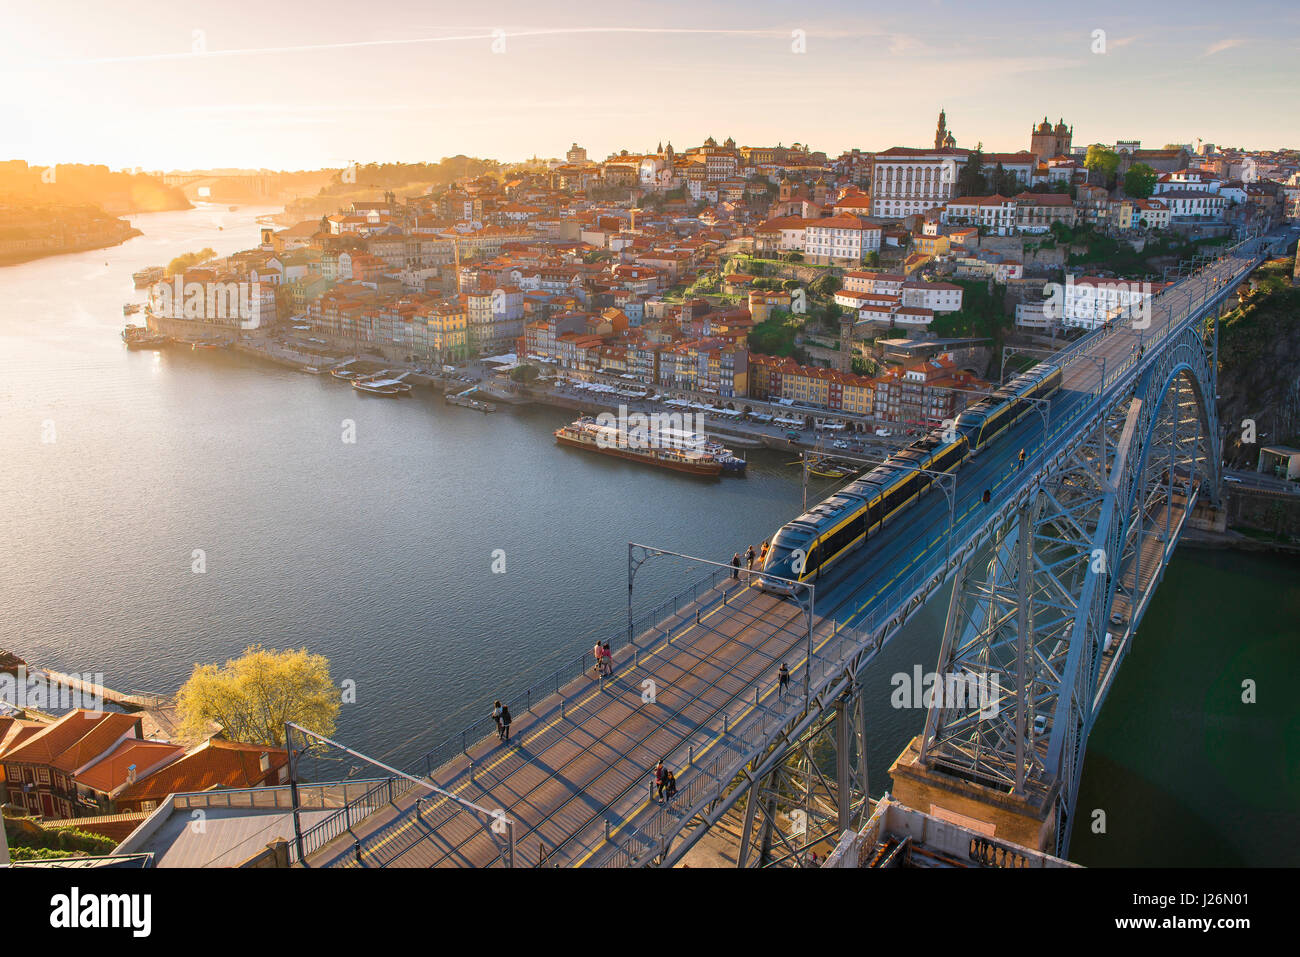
column 815, row 791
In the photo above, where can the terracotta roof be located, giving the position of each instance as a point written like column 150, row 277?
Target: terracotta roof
column 110, row 773
column 54, row 739
column 97, row 742
column 213, row 764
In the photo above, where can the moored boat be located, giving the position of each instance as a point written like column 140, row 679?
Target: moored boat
column 381, row 386
column 587, row 433
column 138, row 337
column 147, row 277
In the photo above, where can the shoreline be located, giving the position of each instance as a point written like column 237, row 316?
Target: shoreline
column 85, row 248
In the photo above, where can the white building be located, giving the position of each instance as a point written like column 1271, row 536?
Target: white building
column 909, row 181
column 997, row 214
column 934, row 296
column 889, row 283
column 841, row 239
column 1087, row 302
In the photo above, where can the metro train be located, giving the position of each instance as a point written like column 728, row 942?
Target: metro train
column 803, row 550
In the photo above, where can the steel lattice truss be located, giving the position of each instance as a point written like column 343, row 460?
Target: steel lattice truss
column 1040, row 618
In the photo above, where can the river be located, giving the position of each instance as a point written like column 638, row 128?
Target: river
column 379, row 553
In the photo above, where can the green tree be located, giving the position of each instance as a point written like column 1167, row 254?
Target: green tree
column 524, row 373
column 825, row 285
column 1103, row 162
column 970, row 181
column 1140, row 180
column 251, row 697
column 186, row 260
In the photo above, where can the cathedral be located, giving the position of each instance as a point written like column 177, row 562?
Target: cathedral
column 943, row 138
column 1046, row 142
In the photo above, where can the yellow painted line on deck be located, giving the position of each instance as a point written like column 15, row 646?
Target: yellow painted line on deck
column 536, row 732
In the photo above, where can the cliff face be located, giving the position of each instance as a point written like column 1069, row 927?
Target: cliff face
column 1259, row 365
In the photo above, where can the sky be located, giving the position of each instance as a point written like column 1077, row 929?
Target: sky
column 286, row 84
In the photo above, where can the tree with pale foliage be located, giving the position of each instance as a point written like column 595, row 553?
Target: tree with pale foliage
column 251, row 697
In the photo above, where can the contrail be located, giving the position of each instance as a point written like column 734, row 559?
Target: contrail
column 352, row 44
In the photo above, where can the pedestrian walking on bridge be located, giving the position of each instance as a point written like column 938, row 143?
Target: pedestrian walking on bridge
column 505, row 723
column 782, row 680
column 1021, row 460
column 496, row 716
column 735, row 564
column 661, row 780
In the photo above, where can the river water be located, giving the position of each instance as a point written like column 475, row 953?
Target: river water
column 379, row 554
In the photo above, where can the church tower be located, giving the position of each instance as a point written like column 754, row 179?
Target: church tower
column 941, row 133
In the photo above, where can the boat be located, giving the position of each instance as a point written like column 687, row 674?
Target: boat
column 130, row 309
column 638, row 445
column 464, row 401
column 198, row 344
column 10, row 662
column 312, row 370
column 344, row 371
column 138, row 337
column 376, row 385
column 147, row 277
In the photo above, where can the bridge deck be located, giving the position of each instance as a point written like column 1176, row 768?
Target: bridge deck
column 586, row 755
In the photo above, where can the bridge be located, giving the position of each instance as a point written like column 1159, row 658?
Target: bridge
column 1045, row 582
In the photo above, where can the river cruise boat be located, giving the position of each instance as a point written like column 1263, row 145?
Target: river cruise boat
column 688, row 441
column 643, row 445
column 381, row 385
column 138, row 337
column 147, row 277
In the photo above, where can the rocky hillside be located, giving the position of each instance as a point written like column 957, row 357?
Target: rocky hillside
column 1259, row 364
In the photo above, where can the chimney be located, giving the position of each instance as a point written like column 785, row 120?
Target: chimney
column 130, row 774
column 265, row 762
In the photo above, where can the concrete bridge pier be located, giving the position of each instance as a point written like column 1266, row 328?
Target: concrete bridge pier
column 1025, row 819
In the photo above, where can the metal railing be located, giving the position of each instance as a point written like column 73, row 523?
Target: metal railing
column 734, row 744
column 649, row 621
column 341, row 821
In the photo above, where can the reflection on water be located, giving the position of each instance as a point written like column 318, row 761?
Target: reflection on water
column 379, row 554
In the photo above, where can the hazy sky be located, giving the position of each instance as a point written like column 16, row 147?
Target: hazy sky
column 290, row 84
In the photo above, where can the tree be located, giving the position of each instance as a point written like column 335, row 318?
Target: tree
column 524, row 373
column 825, row 285
column 970, row 181
column 1140, row 180
column 252, row 696
column 1103, row 162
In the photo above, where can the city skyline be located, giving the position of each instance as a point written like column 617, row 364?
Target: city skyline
column 162, row 89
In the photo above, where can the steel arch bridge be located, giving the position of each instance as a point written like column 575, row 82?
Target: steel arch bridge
column 1046, row 593
column 1049, row 577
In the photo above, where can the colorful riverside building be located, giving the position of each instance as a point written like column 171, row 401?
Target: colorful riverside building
column 776, row 377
